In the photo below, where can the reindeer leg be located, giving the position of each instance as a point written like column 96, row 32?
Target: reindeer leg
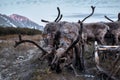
column 76, row 74
column 102, row 40
column 116, row 39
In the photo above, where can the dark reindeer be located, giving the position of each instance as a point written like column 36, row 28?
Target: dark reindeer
column 114, row 28
column 99, row 30
column 95, row 31
column 70, row 32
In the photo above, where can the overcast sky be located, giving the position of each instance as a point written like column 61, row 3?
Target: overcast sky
column 72, row 10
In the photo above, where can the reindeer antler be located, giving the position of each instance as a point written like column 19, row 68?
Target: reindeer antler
column 108, row 18
column 44, row 21
column 72, row 45
column 29, row 41
column 118, row 16
column 59, row 17
column 111, row 19
column 93, row 8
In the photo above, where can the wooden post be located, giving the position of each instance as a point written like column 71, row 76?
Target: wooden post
column 103, row 71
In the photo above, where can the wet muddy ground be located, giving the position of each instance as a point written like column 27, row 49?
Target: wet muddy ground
column 22, row 63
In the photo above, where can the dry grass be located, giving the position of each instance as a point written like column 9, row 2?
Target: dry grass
column 9, row 40
column 6, row 37
column 33, row 37
column 30, row 37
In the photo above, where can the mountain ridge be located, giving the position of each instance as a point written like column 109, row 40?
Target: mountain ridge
column 16, row 20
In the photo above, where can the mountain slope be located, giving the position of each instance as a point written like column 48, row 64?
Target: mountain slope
column 16, row 20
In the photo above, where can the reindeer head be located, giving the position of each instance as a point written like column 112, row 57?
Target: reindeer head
column 51, row 33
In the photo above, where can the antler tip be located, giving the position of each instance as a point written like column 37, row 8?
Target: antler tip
column 57, row 7
column 42, row 20
column 105, row 16
column 93, row 7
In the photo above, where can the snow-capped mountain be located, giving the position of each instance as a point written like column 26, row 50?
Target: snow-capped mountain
column 16, row 20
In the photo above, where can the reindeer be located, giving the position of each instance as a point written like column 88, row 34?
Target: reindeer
column 114, row 28
column 70, row 32
column 99, row 30
column 51, row 36
column 95, row 31
column 53, row 32
column 54, row 35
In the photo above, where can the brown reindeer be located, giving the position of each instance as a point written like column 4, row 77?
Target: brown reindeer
column 95, row 31
column 70, row 32
column 58, row 37
column 114, row 28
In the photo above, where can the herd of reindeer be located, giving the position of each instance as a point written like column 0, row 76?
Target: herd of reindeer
column 65, row 41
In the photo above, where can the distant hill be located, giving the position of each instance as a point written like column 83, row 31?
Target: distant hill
column 16, row 20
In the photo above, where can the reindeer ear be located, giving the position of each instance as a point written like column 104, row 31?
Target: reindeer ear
column 118, row 16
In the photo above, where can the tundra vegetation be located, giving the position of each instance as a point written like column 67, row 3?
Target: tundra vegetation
column 78, row 47
column 12, row 30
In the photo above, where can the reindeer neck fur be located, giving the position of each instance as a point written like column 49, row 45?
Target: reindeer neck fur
column 70, row 30
column 113, row 25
